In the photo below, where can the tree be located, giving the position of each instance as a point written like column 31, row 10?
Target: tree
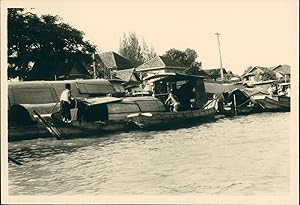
column 147, row 52
column 187, row 57
column 247, row 70
column 34, row 39
column 229, row 76
column 265, row 75
column 131, row 49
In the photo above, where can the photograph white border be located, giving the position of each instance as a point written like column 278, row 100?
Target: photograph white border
column 292, row 198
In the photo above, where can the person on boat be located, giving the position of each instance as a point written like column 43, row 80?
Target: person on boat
column 288, row 92
column 281, row 90
column 172, row 99
column 220, row 101
column 65, row 103
column 273, row 90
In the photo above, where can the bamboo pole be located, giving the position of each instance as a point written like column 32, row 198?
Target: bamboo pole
column 234, row 103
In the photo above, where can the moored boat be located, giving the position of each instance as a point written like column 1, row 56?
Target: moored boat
column 188, row 91
column 34, row 110
column 92, row 116
column 242, row 101
column 274, row 102
column 278, row 98
column 166, row 120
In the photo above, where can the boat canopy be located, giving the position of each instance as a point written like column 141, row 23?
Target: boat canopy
column 171, row 77
column 216, row 88
column 95, row 87
column 245, row 94
column 43, row 92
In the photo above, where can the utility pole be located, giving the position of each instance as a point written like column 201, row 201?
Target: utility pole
column 221, row 66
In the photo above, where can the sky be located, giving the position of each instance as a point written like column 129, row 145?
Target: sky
column 253, row 32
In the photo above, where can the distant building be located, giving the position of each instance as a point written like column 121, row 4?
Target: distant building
column 250, row 75
column 130, row 78
column 214, row 73
column 114, row 61
column 161, row 65
column 283, row 73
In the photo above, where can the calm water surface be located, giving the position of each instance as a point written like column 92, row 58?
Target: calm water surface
column 245, row 155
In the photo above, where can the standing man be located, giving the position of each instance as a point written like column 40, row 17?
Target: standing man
column 65, row 103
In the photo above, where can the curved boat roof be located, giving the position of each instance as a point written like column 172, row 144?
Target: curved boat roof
column 88, row 86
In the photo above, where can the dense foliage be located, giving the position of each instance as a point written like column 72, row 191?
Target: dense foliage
column 131, row 48
column 33, row 39
column 265, row 75
column 187, row 57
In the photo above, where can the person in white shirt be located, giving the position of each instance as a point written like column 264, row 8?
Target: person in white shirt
column 65, row 103
column 288, row 92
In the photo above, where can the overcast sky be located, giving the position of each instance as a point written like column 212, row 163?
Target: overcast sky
column 253, row 32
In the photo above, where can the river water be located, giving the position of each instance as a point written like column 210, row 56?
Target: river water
column 244, row 155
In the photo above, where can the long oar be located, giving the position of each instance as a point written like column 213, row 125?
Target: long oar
column 14, row 160
column 215, row 98
column 53, row 107
column 53, row 130
column 247, row 100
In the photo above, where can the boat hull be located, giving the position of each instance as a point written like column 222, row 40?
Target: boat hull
column 244, row 110
column 67, row 131
column 167, row 120
column 275, row 103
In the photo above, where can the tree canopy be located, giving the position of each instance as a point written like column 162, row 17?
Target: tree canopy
column 33, row 39
column 131, row 48
column 265, row 75
column 187, row 57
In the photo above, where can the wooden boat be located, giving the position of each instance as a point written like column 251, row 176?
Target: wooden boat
column 190, row 91
column 278, row 98
column 242, row 102
column 91, row 116
column 274, row 102
column 170, row 119
column 34, row 110
column 43, row 96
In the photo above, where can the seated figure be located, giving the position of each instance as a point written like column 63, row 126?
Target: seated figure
column 173, row 101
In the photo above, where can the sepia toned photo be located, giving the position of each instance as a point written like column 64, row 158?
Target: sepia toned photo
column 178, row 102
